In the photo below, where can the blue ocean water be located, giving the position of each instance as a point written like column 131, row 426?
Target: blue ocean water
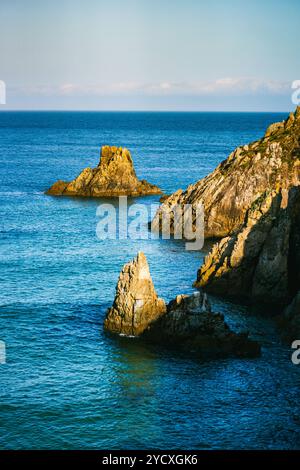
column 66, row 384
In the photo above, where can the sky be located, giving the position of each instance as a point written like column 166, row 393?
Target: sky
column 181, row 55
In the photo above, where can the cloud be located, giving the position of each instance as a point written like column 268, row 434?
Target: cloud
column 227, row 85
column 236, row 86
column 222, row 86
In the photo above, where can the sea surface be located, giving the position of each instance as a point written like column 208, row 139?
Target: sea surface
column 66, row 384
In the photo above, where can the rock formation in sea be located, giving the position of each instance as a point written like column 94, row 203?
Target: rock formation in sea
column 191, row 326
column 261, row 260
column 231, row 189
column 136, row 303
column 186, row 323
column 114, row 176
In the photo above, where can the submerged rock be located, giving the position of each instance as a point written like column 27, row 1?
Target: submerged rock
column 261, row 261
column 136, row 303
column 186, row 323
column 114, row 176
column 231, row 189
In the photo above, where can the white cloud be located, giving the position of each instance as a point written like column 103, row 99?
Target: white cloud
column 222, row 86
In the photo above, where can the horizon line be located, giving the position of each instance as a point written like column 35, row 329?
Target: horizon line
column 141, row 111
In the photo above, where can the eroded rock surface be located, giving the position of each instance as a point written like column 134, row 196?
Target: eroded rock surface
column 231, row 189
column 261, row 261
column 136, row 303
column 114, row 176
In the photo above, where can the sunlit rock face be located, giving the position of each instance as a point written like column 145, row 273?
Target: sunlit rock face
column 136, row 303
column 230, row 190
column 114, row 176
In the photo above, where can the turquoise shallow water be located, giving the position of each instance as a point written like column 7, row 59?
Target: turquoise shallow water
column 68, row 385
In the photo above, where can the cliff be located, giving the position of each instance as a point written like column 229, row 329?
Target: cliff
column 260, row 261
column 114, row 176
column 186, row 323
column 231, row 189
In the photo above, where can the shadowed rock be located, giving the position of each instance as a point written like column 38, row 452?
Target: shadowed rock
column 230, row 190
column 114, row 176
column 261, row 261
column 190, row 325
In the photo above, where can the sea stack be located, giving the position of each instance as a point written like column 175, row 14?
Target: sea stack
column 231, row 189
column 114, row 176
column 136, row 303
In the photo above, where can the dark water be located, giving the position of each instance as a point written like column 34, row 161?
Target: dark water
column 67, row 385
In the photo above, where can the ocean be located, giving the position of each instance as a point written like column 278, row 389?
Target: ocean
column 68, row 385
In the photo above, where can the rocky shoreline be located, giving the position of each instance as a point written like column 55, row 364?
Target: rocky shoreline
column 252, row 206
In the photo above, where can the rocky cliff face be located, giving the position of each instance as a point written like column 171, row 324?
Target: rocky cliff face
column 261, row 260
column 136, row 304
column 114, row 176
column 230, row 190
column 186, row 323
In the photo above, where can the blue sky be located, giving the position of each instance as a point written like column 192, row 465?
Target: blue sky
column 149, row 54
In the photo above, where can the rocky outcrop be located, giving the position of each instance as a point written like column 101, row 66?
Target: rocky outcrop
column 231, row 189
column 136, row 304
column 190, row 325
column 261, row 261
column 114, row 176
column 186, row 323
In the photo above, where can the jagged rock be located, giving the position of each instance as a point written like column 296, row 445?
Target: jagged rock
column 261, row 261
column 190, row 325
column 230, row 190
column 186, row 323
column 136, row 304
column 114, row 176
